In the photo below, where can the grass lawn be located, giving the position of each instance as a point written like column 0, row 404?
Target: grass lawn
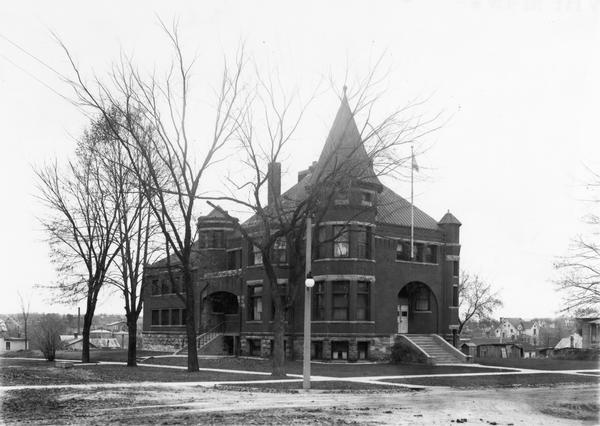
column 324, row 369
column 508, row 380
column 540, row 363
column 23, row 372
column 117, row 355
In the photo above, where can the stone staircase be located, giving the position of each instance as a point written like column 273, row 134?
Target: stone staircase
column 204, row 339
column 436, row 348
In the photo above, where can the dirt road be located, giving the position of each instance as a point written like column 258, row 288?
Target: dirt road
column 572, row 404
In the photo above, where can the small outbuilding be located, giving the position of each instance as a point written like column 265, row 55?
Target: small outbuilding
column 499, row 350
column 469, row 348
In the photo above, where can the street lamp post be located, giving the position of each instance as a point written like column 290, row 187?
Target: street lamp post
column 309, row 283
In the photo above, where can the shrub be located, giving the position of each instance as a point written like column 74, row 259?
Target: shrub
column 46, row 335
column 403, row 352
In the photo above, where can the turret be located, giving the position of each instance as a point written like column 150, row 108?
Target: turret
column 451, row 227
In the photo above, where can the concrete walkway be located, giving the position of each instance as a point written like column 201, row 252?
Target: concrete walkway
column 375, row 380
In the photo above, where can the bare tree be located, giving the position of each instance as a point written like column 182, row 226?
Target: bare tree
column 136, row 227
column 81, row 228
column 163, row 104
column 476, row 299
column 580, row 280
column 264, row 133
column 25, row 304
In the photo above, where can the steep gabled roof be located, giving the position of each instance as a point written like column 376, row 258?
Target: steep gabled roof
column 344, row 149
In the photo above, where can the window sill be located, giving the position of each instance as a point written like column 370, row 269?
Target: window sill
column 168, row 294
column 417, row 263
column 354, row 259
column 341, row 202
column 342, row 322
column 254, row 321
column 422, row 312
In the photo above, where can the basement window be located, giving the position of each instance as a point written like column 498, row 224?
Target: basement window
column 339, row 350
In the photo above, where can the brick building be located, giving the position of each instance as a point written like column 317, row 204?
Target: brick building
column 368, row 289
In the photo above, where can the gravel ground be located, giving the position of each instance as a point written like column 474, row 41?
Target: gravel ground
column 572, row 404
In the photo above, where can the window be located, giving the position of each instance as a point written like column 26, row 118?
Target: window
column 366, row 199
column 183, row 316
column 204, row 239
column 341, row 242
column 455, row 269
column 316, row 350
column 8, row 346
column 254, row 347
column 176, row 284
column 256, row 256
column 455, row 295
column 154, row 288
column 155, row 317
column 280, row 251
column 431, row 253
column 339, row 350
column 362, row 301
column 402, row 250
column 323, row 251
column 339, row 300
column 318, row 308
column 164, row 286
column 341, row 197
column 175, row 316
column 164, row 317
column 363, row 350
column 421, row 298
column 255, row 302
column 234, row 259
column 218, row 239
column 419, row 252
column 364, row 242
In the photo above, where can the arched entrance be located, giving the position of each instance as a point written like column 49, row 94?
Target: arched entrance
column 218, row 308
column 417, row 309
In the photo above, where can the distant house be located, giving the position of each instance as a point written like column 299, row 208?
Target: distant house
column 508, row 329
column 95, row 343
column 117, row 326
column 590, row 332
column 572, row 341
column 100, row 334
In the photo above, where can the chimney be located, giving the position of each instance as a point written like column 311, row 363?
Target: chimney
column 274, row 182
column 302, row 174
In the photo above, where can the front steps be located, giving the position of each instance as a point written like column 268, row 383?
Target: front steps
column 435, row 348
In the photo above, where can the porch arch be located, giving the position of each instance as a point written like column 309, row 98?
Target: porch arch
column 422, row 308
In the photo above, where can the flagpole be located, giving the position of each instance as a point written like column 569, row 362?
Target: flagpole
column 412, row 205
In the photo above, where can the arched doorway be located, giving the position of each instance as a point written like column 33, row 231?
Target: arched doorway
column 218, row 308
column 417, row 309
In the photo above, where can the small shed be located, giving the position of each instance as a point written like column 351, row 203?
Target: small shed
column 469, row 348
column 11, row 344
column 499, row 350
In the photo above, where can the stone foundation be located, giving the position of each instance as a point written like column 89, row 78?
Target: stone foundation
column 164, row 342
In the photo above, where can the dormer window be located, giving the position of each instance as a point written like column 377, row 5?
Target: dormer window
column 341, row 197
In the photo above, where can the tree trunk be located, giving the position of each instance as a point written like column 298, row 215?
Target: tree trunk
column 132, row 344
column 278, row 359
column 190, row 322
column 85, row 342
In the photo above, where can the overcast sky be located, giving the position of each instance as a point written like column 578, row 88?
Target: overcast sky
column 517, row 83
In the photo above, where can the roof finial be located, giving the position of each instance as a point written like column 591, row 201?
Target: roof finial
column 344, row 89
